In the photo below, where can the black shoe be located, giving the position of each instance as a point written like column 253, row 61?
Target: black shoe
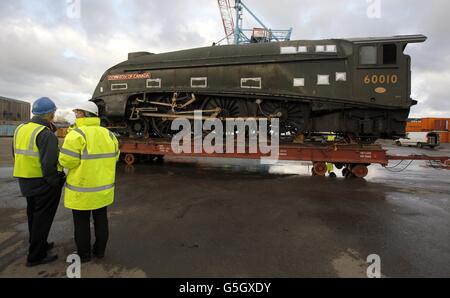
column 99, row 256
column 46, row 260
column 50, row 246
column 83, row 259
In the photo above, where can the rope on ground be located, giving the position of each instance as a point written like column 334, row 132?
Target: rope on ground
column 394, row 168
column 438, row 165
column 435, row 164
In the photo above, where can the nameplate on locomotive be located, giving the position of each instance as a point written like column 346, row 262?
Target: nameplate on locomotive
column 129, row 76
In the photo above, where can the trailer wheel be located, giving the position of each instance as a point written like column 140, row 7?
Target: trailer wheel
column 130, row 159
column 159, row 159
column 320, row 168
column 347, row 173
column 360, row 171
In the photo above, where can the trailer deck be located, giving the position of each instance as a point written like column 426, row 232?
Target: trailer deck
column 354, row 159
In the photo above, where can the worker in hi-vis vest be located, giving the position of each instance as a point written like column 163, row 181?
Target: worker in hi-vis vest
column 35, row 148
column 90, row 153
column 330, row 167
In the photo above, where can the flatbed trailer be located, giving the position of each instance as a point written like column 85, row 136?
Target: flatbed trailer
column 354, row 159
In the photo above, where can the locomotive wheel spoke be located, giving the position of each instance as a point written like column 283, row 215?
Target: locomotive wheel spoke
column 229, row 108
column 162, row 126
column 290, row 116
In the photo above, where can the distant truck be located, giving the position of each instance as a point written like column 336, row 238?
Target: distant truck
column 420, row 139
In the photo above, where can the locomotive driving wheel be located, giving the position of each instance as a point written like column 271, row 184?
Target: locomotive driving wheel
column 290, row 115
column 181, row 106
column 229, row 108
column 162, row 125
column 138, row 128
column 225, row 108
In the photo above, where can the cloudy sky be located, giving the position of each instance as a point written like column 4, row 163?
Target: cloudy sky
column 52, row 48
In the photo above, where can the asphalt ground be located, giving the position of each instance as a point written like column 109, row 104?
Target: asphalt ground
column 190, row 217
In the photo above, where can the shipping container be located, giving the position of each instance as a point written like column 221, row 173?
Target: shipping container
column 444, row 137
column 438, row 124
column 414, row 125
column 428, row 124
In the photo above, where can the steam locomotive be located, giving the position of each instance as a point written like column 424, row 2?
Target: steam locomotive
column 356, row 87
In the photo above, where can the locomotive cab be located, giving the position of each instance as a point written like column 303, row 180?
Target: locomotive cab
column 382, row 70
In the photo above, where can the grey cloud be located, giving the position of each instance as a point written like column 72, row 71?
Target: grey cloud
column 32, row 65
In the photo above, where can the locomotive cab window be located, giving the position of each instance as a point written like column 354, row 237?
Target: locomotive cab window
column 389, row 54
column 368, row 55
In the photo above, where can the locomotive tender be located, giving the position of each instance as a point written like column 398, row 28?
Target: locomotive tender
column 359, row 87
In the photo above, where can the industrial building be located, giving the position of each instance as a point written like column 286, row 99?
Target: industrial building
column 12, row 113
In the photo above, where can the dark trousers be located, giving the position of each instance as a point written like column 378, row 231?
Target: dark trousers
column 41, row 210
column 82, row 224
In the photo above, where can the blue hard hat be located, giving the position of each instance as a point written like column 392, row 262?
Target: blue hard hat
column 43, row 106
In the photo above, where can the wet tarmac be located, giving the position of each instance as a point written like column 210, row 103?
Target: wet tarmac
column 191, row 217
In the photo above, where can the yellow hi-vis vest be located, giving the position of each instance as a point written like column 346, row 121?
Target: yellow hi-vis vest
column 331, row 137
column 90, row 153
column 27, row 162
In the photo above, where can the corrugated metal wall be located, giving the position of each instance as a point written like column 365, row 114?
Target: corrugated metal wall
column 14, row 110
column 12, row 114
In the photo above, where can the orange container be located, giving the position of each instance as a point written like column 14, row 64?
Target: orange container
column 439, row 124
column 414, row 125
column 428, row 124
column 444, row 137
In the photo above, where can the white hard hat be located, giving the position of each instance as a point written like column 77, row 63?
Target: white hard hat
column 88, row 106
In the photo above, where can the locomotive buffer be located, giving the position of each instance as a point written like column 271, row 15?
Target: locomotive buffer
column 354, row 159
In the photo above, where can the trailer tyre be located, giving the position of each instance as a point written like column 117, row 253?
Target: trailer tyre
column 130, row 159
column 320, row 168
column 360, row 171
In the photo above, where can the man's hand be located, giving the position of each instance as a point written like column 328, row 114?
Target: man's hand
column 62, row 177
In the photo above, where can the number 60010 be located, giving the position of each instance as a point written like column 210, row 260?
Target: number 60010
column 380, row 79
